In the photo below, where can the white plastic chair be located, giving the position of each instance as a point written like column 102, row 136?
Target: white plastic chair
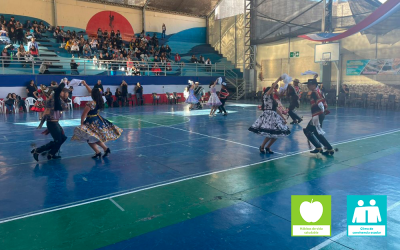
column 16, row 109
column 29, row 101
column 70, row 104
column 2, row 107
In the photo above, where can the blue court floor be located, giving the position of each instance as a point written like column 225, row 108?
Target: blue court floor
column 166, row 144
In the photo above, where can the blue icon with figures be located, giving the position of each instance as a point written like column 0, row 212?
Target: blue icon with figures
column 366, row 215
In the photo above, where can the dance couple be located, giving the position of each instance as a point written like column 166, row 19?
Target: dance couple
column 272, row 124
column 94, row 129
column 214, row 101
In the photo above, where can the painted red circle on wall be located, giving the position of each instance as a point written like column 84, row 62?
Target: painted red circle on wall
column 110, row 20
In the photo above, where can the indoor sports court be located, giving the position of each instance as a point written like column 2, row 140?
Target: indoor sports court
column 153, row 148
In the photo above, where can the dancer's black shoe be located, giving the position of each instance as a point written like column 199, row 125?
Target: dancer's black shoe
column 108, row 151
column 54, row 157
column 294, row 122
column 299, row 121
column 329, row 152
column 262, row 150
column 316, row 151
column 35, row 156
column 268, row 151
column 95, row 156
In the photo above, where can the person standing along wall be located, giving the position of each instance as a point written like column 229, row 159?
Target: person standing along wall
column 164, row 29
column 139, row 93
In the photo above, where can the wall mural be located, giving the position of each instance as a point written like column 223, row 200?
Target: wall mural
column 110, row 20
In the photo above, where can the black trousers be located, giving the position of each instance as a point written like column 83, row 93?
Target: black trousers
column 59, row 138
column 292, row 114
column 109, row 101
column 139, row 98
column 222, row 107
column 312, row 135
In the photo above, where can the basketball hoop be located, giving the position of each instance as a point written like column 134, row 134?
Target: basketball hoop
column 325, row 61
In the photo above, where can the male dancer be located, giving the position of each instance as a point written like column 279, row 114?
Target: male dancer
column 319, row 109
column 52, row 114
column 198, row 92
column 223, row 96
column 293, row 93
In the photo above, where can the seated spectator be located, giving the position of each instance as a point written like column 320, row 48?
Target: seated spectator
column 112, row 34
column 105, row 34
column 19, row 102
column 135, row 71
column 5, row 56
column 33, row 43
column 74, row 49
column 86, row 54
column 208, row 64
column 94, row 45
column 21, row 52
column 74, row 67
column 162, row 50
column 99, row 34
column 156, row 59
column 132, row 45
column 201, row 60
column 28, row 25
column 4, row 35
column 157, row 50
column 37, row 33
column 177, row 58
column 87, row 47
column 193, row 59
column 168, row 51
column 118, row 36
column 9, row 101
column 156, row 69
column 152, row 51
column 95, row 61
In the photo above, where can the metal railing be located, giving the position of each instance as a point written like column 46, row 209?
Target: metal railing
column 56, row 66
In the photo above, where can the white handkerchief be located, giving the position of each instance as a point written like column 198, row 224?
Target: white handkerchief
column 309, row 72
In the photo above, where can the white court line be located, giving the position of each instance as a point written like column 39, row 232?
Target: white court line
column 344, row 233
column 117, row 205
column 168, row 183
column 209, row 136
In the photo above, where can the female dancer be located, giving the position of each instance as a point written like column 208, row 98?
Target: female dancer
column 94, row 129
column 192, row 100
column 271, row 122
column 277, row 96
column 213, row 101
column 39, row 104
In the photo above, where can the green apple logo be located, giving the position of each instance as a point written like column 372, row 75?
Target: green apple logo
column 311, row 212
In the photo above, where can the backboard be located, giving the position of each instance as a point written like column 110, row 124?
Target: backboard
column 327, row 52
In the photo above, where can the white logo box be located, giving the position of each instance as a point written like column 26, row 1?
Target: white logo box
column 366, row 230
column 315, row 230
